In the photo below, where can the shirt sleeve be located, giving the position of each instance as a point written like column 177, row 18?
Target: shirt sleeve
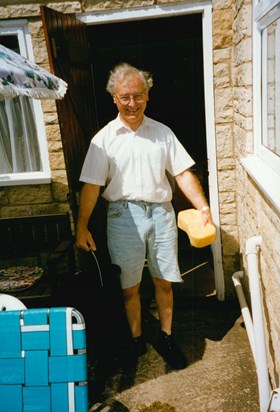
column 178, row 158
column 95, row 167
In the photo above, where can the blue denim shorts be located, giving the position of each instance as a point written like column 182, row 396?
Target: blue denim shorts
column 139, row 232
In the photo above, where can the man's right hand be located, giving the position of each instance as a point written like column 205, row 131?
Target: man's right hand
column 84, row 239
column 88, row 199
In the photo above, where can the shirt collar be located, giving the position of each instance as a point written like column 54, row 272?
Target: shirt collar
column 120, row 126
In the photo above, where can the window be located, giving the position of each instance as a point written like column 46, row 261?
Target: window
column 23, row 146
column 271, row 86
column 264, row 166
column 19, row 149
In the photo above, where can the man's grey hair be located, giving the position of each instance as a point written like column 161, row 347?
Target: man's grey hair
column 121, row 71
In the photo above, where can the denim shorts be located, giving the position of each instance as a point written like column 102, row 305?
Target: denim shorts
column 138, row 232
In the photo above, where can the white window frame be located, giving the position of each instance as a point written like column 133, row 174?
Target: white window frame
column 20, row 29
column 264, row 165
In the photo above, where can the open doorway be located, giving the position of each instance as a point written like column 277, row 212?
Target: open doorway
column 171, row 48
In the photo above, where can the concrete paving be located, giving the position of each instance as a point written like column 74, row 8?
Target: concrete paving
column 220, row 377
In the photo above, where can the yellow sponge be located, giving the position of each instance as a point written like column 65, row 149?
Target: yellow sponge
column 190, row 221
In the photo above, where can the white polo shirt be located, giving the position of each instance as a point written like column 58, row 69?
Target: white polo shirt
column 132, row 165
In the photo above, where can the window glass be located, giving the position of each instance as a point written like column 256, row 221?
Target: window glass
column 263, row 165
column 271, row 87
column 19, row 149
column 10, row 41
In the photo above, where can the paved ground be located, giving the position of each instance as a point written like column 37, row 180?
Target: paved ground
column 221, row 375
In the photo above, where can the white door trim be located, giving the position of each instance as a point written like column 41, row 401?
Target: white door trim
column 158, row 11
column 211, row 148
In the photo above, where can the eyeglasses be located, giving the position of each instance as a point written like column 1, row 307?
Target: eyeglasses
column 125, row 99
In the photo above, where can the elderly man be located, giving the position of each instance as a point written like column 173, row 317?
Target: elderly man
column 129, row 157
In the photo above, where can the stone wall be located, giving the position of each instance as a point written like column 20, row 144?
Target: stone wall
column 40, row 198
column 256, row 216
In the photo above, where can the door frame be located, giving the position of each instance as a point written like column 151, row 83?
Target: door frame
column 159, row 11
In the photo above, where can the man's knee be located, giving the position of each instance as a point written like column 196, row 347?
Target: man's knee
column 162, row 285
column 131, row 293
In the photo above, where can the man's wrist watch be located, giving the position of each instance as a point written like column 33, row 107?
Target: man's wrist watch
column 204, row 208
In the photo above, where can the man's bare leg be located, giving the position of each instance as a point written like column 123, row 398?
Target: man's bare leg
column 166, row 345
column 133, row 309
column 132, row 304
column 164, row 300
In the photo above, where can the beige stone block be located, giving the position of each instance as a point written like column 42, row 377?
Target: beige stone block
column 97, row 5
column 249, row 201
column 66, row 7
column 30, row 194
column 244, row 145
column 243, row 74
column 36, row 28
column 224, row 142
column 243, row 125
column 35, row 209
column 228, row 219
column 166, row 1
column 4, row 13
column 221, row 55
column 227, row 197
column 222, row 75
column 60, row 191
column 270, row 236
column 223, row 105
column 226, row 180
column 242, row 52
column 222, row 28
column 49, row 106
column 273, row 217
column 238, row 4
column 242, row 24
column 41, row 54
column 3, row 195
column 17, row 211
column 57, row 161
column 243, row 98
column 23, row 10
column 59, row 176
column 226, row 163
column 240, row 136
column 55, row 146
column 244, row 122
column 221, row 4
column 53, row 132
column 228, row 208
column 51, row 118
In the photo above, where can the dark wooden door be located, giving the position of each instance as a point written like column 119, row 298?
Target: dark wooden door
column 70, row 58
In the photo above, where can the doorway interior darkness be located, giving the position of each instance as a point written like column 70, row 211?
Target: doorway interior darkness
column 171, row 49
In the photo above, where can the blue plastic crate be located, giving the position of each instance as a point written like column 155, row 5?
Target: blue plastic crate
column 43, row 361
